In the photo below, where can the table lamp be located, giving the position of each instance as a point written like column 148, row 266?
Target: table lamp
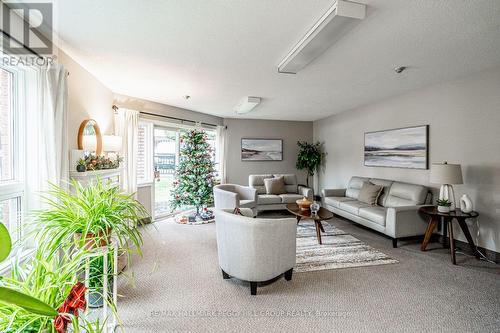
column 446, row 175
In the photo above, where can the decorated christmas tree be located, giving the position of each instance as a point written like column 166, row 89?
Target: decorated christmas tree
column 195, row 173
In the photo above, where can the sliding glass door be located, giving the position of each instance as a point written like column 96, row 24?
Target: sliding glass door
column 157, row 159
column 165, row 159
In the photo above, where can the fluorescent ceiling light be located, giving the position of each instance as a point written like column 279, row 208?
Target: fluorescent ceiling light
column 247, row 104
column 339, row 19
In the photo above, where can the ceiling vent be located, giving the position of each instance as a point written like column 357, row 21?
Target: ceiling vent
column 336, row 22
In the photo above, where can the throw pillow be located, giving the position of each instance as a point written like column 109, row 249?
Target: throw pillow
column 369, row 193
column 275, row 185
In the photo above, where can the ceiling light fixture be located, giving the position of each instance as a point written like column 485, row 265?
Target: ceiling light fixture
column 339, row 19
column 247, row 104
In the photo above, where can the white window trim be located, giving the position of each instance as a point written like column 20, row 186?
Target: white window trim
column 24, row 79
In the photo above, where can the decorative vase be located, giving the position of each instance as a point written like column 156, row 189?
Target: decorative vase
column 444, row 209
column 465, row 204
column 81, row 168
column 315, row 208
column 304, row 203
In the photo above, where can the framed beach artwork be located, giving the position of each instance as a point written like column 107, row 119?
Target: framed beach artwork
column 398, row 148
column 261, row 149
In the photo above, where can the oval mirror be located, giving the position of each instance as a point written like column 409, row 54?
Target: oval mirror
column 89, row 136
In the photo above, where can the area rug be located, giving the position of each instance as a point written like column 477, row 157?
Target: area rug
column 339, row 250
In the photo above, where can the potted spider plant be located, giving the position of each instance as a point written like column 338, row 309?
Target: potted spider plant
column 30, row 295
column 88, row 216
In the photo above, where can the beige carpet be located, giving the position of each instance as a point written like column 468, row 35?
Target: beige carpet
column 179, row 288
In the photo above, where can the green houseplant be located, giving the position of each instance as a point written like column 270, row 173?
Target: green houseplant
column 309, row 158
column 13, row 297
column 443, row 205
column 88, row 216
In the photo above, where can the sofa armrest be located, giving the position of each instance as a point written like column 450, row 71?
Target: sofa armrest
column 333, row 192
column 405, row 221
column 306, row 192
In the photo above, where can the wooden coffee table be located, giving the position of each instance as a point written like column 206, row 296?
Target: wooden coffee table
column 323, row 215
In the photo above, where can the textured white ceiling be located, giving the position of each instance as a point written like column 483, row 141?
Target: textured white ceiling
column 219, row 51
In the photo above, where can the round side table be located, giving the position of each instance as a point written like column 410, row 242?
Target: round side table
column 435, row 216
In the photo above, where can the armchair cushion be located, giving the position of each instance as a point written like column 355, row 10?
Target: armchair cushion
column 247, row 203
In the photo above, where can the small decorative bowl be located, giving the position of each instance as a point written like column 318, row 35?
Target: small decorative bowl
column 304, row 203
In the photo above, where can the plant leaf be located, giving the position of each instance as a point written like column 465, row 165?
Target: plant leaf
column 5, row 242
column 26, row 302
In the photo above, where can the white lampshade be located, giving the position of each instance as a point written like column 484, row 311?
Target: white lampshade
column 89, row 143
column 444, row 173
column 111, row 143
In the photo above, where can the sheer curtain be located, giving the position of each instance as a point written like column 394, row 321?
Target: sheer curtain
column 221, row 152
column 46, row 131
column 127, row 126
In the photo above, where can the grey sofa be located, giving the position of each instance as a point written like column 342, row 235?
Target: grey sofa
column 395, row 214
column 278, row 202
column 255, row 250
column 231, row 196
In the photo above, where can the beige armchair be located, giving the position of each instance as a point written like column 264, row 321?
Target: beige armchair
column 253, row 249
column 231, row 196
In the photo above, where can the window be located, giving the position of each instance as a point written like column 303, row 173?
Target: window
column 12, row 186
column 6, row 127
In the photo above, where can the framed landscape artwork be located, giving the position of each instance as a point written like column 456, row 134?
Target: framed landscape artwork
column 398, row 148
column 261, row 149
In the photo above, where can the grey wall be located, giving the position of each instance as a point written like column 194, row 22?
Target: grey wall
column 289, row 131
column 464, row 119
column 87, row 98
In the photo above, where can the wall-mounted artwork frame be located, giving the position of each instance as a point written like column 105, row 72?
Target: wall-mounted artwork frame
column 253, row 149
column 406, row 147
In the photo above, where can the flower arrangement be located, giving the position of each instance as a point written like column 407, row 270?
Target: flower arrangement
column 93, row 162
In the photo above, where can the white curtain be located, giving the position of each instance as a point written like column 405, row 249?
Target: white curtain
column 220, row 151
column 47, row 131
column 127, row 126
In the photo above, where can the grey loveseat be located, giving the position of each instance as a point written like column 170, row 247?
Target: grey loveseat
column 278, row 202
column 395, row 214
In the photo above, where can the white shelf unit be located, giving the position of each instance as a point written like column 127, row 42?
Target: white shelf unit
column 112, row 176
column 106, row 314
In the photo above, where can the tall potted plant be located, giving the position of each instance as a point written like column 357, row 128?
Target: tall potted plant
column 87, row 216
column 309, row 158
